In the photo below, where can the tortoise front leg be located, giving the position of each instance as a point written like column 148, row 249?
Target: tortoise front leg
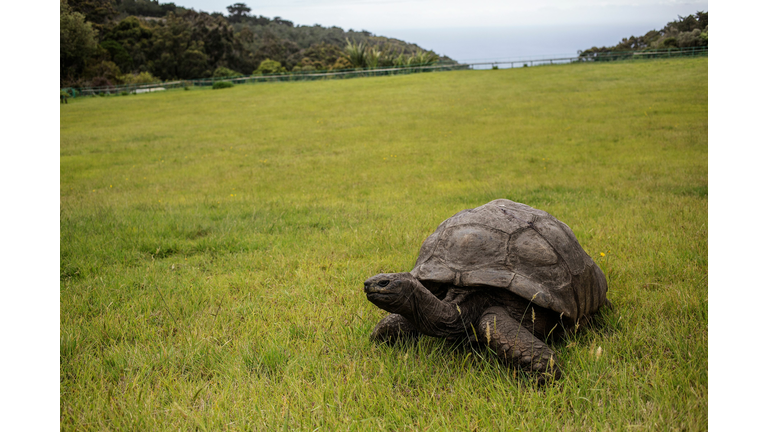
column 392, row 328
column 514, row 344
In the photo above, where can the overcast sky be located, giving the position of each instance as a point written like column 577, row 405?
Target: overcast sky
column 379, row 16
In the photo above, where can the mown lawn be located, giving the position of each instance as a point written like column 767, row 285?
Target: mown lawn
column 214, row 245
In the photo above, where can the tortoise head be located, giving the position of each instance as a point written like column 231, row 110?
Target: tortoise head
column 391, row 291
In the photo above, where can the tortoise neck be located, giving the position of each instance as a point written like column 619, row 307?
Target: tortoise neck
column 434, row 317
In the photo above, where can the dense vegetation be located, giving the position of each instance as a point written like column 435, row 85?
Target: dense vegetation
column 107, row 42
column 214, row 245
column 685, row 32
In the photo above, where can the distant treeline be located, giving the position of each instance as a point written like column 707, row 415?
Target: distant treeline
column 685, row 32
column 109, row 42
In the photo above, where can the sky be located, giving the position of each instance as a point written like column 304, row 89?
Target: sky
column 483, row 30
column 373, row 15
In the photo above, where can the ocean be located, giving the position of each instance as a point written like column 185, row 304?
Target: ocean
column 476, row 45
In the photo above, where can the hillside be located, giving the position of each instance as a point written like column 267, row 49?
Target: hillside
column 685, row 32
column 108, row 42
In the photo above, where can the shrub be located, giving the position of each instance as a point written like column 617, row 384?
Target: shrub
column 690, row 39
column 355, row 54
column 372, row 56
column 105, row 71
column 101, row 81
column 141, row 78
column 342, row 63
column 268, row 67
column 424, row 58
column 670, row 42
column 222, row 84
column 222, row 72
column 300, row 68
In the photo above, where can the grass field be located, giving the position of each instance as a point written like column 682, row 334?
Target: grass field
column 214, row 245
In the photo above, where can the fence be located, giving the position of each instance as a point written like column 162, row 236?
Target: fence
column 397, row 70
column 600, row 57
column 293, row 76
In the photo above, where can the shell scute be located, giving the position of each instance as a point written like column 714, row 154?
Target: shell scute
column 468, row 246
column 499, row 278
column 530, row 247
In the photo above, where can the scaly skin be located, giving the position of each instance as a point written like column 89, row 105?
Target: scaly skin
column 394, row 327
column 515, row 345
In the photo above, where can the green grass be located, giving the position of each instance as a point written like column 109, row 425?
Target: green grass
column 214, row 245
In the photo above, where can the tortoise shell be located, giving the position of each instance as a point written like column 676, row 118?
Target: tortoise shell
column 512, row 246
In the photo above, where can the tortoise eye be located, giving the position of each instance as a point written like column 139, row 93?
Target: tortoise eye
column 383, row 283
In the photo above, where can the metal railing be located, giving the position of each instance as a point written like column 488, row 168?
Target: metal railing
column 601, row 57
column 252, row 79
column 395, row 70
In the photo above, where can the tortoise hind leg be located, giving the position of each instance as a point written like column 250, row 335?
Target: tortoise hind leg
column 392, row 328
column 515, row 345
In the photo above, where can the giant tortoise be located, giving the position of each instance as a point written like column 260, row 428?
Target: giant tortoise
column 504, row 274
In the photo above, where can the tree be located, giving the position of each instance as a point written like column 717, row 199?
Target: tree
column 97, row 12
column 118, row 54
column 685, row 32
column 176, row 54
column 216, row 34
column 77, row 43
column 135, row 39
column 280, row 21
column 274, row 48
column 238, row 12
column 187, row 44
column 320, row 56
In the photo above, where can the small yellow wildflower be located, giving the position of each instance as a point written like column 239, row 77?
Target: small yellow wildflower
column 602, row 254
